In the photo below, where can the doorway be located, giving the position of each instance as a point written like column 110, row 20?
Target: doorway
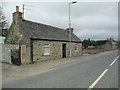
column 16, row 56
column 63, row 50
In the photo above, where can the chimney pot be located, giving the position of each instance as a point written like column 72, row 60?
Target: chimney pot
column 17, row 8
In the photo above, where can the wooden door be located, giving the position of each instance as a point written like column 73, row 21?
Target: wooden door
column 64, row 50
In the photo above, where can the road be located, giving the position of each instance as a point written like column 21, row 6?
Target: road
column 95, row 71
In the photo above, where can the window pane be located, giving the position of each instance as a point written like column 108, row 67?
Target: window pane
column 46, row 49
column 76, row 47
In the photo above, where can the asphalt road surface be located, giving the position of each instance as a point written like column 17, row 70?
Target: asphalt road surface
column 95, row 71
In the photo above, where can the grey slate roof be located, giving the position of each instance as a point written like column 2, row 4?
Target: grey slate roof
column 41, row 31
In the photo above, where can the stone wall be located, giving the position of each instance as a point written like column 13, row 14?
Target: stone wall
column 114, row 46
column 38, row 51
column 55, row 50
column 73, row 51
column 6, row 52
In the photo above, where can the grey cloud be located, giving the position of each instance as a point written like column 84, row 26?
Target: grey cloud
column 96, row 34
column 96, row 22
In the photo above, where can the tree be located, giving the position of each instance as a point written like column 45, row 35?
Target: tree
column 89, row 42
column 86, row 43
column 3, row 23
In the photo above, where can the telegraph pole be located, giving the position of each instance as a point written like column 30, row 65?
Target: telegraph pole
column 23, row 10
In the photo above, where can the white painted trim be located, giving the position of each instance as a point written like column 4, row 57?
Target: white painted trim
column 63, row 42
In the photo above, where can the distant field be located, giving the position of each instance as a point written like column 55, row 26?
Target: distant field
column 92, row 51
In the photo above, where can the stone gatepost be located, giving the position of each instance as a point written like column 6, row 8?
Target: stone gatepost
column 24, row 55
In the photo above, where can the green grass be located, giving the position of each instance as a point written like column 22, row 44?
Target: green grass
column 90, row 52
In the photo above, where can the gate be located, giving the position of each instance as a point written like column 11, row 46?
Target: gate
column 15, row 57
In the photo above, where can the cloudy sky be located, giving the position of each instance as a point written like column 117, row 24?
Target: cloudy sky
column 94, row 20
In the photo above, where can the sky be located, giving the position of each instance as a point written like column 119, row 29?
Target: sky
column 94, row 20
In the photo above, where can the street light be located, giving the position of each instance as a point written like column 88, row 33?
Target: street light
column 70, row 25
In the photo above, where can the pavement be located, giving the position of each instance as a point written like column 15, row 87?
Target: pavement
column 89, row 71
column 11, row 71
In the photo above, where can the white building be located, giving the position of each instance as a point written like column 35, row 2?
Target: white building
column 2, row 40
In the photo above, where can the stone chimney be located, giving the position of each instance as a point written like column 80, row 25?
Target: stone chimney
column 70, row 29
column 17, row 16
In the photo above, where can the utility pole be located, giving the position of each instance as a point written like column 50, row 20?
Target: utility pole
column 69, row 31
column 23, row 10
column 70, row 26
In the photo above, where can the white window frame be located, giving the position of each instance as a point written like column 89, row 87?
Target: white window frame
column 76, row 47
column 46, row 54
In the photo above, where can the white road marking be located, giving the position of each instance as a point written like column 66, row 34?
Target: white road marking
column 114, row 61
column 97, row 80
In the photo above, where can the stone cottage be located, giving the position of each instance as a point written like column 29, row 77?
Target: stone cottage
column 40, row 41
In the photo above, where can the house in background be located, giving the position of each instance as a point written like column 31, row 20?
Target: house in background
column 110, row 44
column 41, row 42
